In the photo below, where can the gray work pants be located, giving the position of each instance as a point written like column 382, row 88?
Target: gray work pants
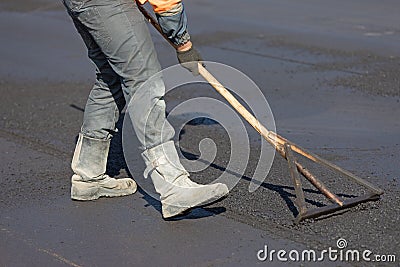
column 120, row 46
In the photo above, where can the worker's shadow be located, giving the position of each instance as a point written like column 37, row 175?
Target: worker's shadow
column 195, row 213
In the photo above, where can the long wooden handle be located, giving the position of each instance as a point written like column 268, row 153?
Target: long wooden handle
column 277, row 142
column 275, row 139
column 238, row 107
column 154, row 23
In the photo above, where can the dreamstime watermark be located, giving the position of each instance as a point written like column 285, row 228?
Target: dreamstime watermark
column 145, row 125
column 340, row 253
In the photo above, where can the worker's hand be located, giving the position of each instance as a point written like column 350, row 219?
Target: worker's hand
column 189, row 58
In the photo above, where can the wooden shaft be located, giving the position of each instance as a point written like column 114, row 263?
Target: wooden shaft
column 312, row 179
column 318, row 184
column 154, row 23
column 236, row 105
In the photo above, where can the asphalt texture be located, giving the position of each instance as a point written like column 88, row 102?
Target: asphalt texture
column 330, row 74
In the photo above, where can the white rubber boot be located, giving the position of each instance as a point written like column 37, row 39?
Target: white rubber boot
column 177, row 192
column 89, row 165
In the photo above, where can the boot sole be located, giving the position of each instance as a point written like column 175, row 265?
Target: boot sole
column 89, row 195
column 186, row 211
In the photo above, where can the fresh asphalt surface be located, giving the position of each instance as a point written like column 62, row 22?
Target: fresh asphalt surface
column 329, row 71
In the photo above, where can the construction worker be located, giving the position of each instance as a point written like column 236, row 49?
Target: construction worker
column 120, row 46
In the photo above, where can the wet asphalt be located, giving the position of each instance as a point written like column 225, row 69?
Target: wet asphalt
column 329, row 72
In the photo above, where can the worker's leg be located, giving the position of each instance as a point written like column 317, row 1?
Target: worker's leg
column 119, row 29
column 101, row 114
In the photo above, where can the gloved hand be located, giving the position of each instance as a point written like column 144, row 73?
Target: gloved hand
column 189, row 60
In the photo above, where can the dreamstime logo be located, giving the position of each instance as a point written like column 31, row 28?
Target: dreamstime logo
column 341, row 243
column 330, row 254
column 144, row 118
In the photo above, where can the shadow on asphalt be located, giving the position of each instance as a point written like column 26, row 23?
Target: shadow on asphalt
column 196, row 213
